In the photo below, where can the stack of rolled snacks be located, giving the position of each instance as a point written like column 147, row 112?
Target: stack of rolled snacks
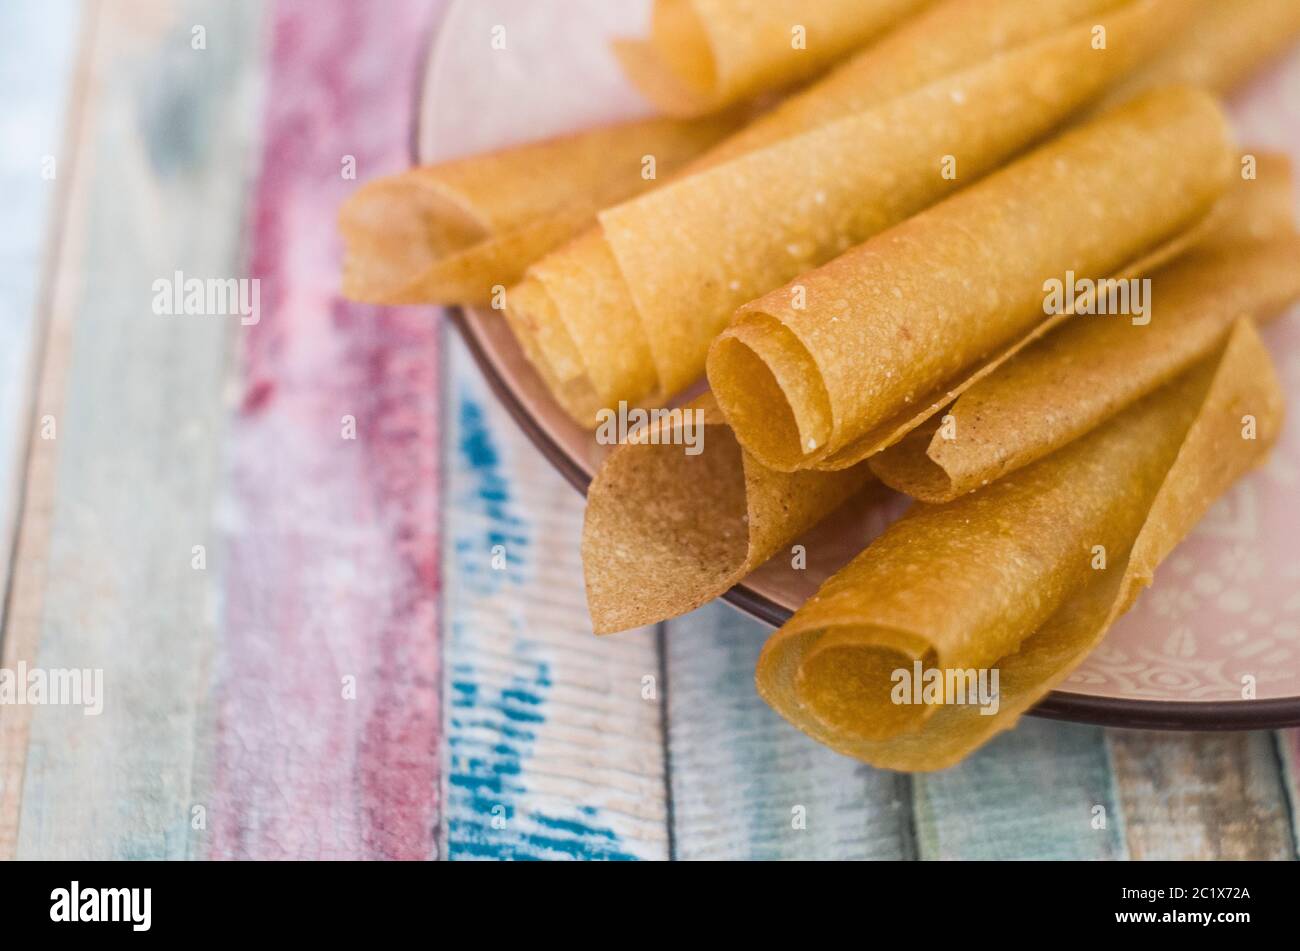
column 1001, row 256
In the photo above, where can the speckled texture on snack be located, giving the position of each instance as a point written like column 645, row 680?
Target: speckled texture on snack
column 1008, row 578
column 666, row 532
column 674, row 264
column 890, row 330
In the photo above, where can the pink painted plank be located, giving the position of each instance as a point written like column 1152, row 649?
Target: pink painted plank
column 331, row 543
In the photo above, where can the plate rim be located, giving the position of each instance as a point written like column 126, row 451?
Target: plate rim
column 1065, row 705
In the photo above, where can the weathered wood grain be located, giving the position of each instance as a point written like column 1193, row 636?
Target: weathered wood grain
column 28, row 477
column 554, row 743
column 325, row 711
column 1043, row 791
column 120, row 496
column 38, row 66
column 746, row 784
column 1287, row 743
column 738, row 771
column 38, row 47
column 289, row 699
column 1201, row 795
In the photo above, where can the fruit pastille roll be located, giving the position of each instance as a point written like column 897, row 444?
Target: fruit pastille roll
column 1084, row 373
column 704, row 54
column 1258, row 206
column 626, row 312
column 846, row 359
column 690, row 529
column 688, row 526
column 1220, row 46
column 992, row 599
column 945, row 38
column 451, row 232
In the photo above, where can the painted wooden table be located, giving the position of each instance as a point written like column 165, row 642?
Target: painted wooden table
column 277, row 538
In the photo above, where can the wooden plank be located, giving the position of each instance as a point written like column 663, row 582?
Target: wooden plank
column 552, row 751
column 103, row 579
column 1042, row 791
column 38, row 47
column 747, row 785
column 1288, row 751
column 1201, row 795
column 325, row 736
column 19, row 641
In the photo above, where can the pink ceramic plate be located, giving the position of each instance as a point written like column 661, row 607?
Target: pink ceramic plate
column 1226, row 604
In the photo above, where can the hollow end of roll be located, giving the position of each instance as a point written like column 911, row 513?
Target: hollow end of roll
column 754, row 390
column 848, row 682
column 394, row 230
column 549, row 347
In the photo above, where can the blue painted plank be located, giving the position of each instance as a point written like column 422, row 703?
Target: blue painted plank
column 553, row 749
column 1042, row 791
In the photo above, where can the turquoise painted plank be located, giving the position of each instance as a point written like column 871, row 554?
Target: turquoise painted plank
column 38, row 47
column 746, row 784
column 108, row 578
column 1042, row 791
column 552, row 749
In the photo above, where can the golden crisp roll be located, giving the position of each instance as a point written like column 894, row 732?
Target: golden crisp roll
column 584, row 281
column 703, row 54
column 666, row 532
column 450, row 232
column 1248, row 264
column 680, row 259
column 688, row 529
column 945, row 38
column 846, row 359
column 1258, row 206
column 1221, row 44
column 1079, row 376
column 1012, row 577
